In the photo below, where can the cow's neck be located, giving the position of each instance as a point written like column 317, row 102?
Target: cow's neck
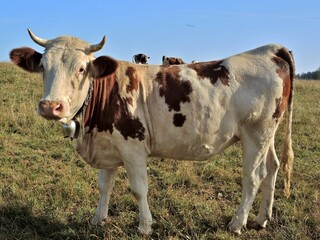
column 107, row 111
column 101, row 107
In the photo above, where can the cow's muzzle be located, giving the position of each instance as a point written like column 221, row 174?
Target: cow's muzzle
column 52, row 110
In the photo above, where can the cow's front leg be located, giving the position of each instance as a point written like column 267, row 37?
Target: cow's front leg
column 137, row 175
column 106, row 183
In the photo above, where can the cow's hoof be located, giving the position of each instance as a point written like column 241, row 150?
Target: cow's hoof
column 235, row 227
column 256, row 226
column 145, row 231
column 261, row 222
column 97, row 221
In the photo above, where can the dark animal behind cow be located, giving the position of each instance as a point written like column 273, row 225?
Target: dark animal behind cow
column 140, row 58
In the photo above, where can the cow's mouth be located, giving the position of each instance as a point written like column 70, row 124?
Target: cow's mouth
column 64, row 120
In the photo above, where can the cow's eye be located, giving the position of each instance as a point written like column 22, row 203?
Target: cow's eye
column 82, row 70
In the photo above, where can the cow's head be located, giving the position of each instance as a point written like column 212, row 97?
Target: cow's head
column 68, row 66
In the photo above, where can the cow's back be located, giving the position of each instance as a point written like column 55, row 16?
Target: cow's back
column 196, row 110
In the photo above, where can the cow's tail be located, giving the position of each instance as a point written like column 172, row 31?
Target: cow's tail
column 287, row 152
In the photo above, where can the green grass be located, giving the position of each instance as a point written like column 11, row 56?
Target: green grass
column 48, row 192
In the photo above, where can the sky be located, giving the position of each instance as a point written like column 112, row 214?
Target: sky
column 200, row 30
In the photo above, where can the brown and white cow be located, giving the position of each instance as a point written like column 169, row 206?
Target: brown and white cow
column 128, row 112
column 172, row 61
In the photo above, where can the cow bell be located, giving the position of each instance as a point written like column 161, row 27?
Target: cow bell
column 71, row 129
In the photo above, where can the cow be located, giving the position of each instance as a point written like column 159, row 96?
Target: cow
column 127, row 112
column 172, row 61
column 140, row 58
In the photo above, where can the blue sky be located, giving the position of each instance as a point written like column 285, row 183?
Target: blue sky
column 199, row 30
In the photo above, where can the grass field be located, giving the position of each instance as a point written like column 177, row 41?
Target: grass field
column 48, row 192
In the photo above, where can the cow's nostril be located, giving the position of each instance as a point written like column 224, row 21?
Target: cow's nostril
column 58, row 108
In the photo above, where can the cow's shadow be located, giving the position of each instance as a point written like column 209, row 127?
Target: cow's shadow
column 19, row 222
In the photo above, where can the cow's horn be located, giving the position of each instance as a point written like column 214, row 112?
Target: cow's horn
column 42, row 42
column 97, row 47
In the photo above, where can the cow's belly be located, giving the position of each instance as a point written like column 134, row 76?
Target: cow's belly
column 98, row 151
column 207, row 131
column 194, row 151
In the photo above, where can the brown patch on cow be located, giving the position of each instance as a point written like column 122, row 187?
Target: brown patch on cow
column 277, row 114
column 133, row 80
column 106, row 109
column 129, row 101
column 213, row 70
column 282, row 60
column 172, row 88
column 179, row 119
column 26, row 58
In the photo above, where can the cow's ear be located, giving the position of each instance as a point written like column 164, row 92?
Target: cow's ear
column 103, row 66
column 26, row 58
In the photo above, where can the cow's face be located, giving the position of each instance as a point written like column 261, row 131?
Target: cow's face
column 65, row 73
column 68, row 66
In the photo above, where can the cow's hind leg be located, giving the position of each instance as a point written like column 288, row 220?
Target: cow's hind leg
column 106, row 183
column 268, row 187
column 137, row 175
column 254, row 150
